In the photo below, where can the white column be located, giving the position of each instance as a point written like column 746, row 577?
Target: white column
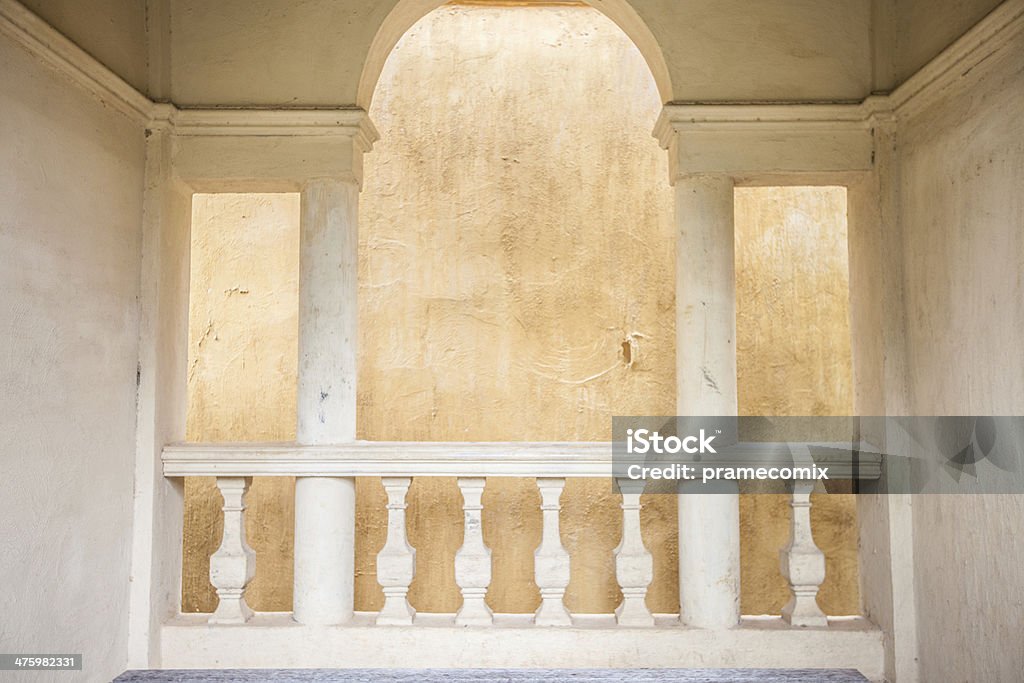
column 551, row 560
column 234, row 564
column 473, row 561
column 705, row 296
column 328, row 312
column 396, row 562
column 709, row 542
column 634, row 566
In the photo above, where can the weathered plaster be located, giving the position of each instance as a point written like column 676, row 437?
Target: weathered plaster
column 962, row 165
column 242, row 369
column 533, row 247
column 466, row 333
column 71, row 189
column 878, row 346
column 793, row 358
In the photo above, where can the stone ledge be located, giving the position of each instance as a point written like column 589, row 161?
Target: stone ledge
column 274, row 640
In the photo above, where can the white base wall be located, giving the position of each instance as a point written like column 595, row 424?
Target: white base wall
column 962, row 213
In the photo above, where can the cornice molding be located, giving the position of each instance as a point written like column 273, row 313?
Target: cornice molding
column 758, row 116
column 52, row 48
column 953, row 67
column 349, row 122
column 776, row 140
column 49, row 46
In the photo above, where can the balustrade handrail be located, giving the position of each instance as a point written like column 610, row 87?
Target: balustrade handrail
column 481, row 459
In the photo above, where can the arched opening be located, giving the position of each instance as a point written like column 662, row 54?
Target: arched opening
column 407, row 12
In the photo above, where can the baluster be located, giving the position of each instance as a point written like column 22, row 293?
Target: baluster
column 802, row 563
column 551, row 561
column 473, row 561
column 396, row 562
column 234, row 564
column 634, row 567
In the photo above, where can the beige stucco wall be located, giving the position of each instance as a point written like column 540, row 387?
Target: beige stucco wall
column 71, row 191
column 513, row 238
column 793, row 358
column 243, row 356
column 962, row 213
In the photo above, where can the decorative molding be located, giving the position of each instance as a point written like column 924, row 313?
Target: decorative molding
column 954, row 65
column 349, row 122
column 764, row 138
column 48, row 45
column 745, row 139
column 268, row 150
column 717, row 116
column 61, row 54
column 929, row 85
column 260, row 150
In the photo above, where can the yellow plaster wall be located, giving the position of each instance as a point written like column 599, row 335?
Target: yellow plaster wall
column 793, row 358
column 515, row 237
column 512, row 240
column 243, row 358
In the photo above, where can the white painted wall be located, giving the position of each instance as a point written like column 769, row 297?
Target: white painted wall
column 962, row 213
column 70, row 210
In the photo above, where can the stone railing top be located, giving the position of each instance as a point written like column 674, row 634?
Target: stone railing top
column 475, row 459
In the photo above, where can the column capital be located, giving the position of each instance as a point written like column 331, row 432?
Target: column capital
column 754, row 141
column 268, row 150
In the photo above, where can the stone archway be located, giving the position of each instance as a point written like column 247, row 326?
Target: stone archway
column 408, row 12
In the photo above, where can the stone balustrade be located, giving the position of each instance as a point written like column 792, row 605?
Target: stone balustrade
column 232, row 566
